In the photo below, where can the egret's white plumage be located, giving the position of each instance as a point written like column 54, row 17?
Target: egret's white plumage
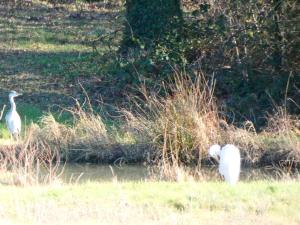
column 13, row 120
column 229, row 163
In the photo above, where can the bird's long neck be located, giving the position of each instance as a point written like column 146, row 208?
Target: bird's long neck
column 12, row 104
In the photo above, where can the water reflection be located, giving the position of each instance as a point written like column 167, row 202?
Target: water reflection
column 93, row 172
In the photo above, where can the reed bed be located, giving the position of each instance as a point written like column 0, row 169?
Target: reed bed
column 183, row 123
column 170, row 130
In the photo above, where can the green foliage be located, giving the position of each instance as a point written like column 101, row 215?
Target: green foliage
column 249, row 46
column 147, row 22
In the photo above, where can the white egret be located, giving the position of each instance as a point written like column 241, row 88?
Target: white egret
column 13, row 120
column 229, row 163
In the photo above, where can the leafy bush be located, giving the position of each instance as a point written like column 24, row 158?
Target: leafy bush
column 250, row 48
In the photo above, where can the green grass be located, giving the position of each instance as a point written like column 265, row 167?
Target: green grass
column 4, row 134
column 33, row 114
column 45, row 53
column 59, row 49
column 44, row 50
column 29, row 114
column 262, row 202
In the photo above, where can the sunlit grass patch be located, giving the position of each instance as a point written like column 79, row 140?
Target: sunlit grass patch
column 42, row 39
column 43, row 43
column 4, row 134
column 48, row 47
column 262, row 202
column 29, row 113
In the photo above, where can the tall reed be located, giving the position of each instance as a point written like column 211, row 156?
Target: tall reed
column 181, row 124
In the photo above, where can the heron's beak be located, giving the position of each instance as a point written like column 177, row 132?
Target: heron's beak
column 19, row 94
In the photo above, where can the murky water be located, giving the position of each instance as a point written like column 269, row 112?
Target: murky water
column 104, row 173
column 93, row 172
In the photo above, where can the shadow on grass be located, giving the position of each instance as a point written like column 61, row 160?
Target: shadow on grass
column 63, row 64
column 47, row 78
column 51, row 26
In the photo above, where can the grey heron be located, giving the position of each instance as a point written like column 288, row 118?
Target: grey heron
column 13, row 120
column 229, row 163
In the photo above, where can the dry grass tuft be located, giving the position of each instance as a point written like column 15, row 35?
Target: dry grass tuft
column 181, row 125
column 277, row 145
column 86, row 135
column 30, row 162
column 246, row 139
column 88, row 128
column 281, row 140
column 53, row 132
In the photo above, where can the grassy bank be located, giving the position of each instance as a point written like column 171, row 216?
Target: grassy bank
column 172, row 143
column 173, row 131
column 262, row 202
